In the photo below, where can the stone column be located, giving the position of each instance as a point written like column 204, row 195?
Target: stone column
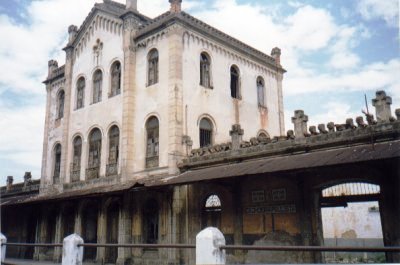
column 69, row 62
column 238, row 211
column 300, row 123
column 389, row 207
column 382, row 106
column 101, row 231
column 124, row 229
column 236, row 134
column 58, row 236
column 44, row 178
column 175, row 98
column 130, row 28
column 276, row 54
column 39, row 253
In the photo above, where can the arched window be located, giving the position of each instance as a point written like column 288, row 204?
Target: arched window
column 57, row 164
column 60, row 104
column 150, row 222
column 76, row 159
column 205, row 70
column 80, row 93
column 235, row 84
column 152, row 64
column 115, row 79
column 94, row 154
column 206, row 132
column 152, row 130
column 97, row 86
column 212, row 211
column 260, row 92
column 113, row 151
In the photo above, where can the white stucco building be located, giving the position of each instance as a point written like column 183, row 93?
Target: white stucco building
column 137, row 94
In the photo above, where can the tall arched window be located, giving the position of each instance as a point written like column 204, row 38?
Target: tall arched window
column 97, row 86
column 205, row 70
column 152, row 131
column 76, row 159
column 80, row 93
column 260, row 92
column 113, row 151
column 206, row 132
column 57, row 164
column 235, row 83
column 150, row 222
column 60, row 104
column 152, row 64
column 115, row 79
column 94, row 154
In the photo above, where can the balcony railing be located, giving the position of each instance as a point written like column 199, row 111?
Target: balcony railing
column 112, row 169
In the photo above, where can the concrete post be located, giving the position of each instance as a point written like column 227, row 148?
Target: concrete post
column 208, row 242
column 300, row 123
column 72, row 254
column 3, row 240
column 236, row 134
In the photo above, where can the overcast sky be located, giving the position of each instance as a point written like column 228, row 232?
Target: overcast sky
column 334, row 51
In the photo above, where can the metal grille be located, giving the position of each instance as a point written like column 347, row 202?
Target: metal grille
column 349, row 189
column 205, row 137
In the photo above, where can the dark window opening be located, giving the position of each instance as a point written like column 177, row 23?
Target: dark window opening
column 206, row 130
column 115, row 79
column 57, row 164
column 60, row 106
column 152, row 67
column 80, row 93
column 212, row 211
column 260, row 92
column 94, row 154
column 150, row 213
column 76, row 160
column 97, row 86
column 205, row 70
column 152, row 149
column 235, row 82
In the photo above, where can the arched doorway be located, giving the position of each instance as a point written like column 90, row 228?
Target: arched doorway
column 350, row 217
column 89, row 230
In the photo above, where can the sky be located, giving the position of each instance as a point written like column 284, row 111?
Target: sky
column 335, row 52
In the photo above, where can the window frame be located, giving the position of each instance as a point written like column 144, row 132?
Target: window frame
column 152, row 152
column 205, row 70
column 115, row 91
column 153, row 58
column 60, row 107
column 97, row 95
column 204, row 132
column 235, row 91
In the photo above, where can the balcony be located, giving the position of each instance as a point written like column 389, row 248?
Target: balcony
column 112, row 169
column 92, row 173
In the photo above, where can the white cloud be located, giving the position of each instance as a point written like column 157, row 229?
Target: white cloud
column 387, row 10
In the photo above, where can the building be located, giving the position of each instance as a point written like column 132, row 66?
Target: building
column 143, row 143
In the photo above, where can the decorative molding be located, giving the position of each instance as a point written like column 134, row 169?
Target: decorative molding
column 189, row 37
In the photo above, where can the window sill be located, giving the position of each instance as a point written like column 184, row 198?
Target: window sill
column 207, row 87
column 112, row 96
column 150, row 85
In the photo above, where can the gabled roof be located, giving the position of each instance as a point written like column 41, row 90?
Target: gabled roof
column 109, row 7
column 193, row 23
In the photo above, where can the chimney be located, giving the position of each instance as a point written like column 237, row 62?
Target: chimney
column 131, row 4
column 176, row 6
column 236, row 133
column 276, row 54
column 10, row 181
column 72, row 31
column 382, row 106
column 53, row 65
column 300, row 123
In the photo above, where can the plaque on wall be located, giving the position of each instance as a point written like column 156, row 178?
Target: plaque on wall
column 258, row 196
column 285, row 208
column 279, row 195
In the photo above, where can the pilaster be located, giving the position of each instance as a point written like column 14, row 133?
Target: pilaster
column 67, row 110
column 44, row 179
column 130, row 28
column 124, row 230
column 175, row 98
column 58, row 237
column 280, row 105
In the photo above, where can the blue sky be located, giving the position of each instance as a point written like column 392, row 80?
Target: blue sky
column 334, row 51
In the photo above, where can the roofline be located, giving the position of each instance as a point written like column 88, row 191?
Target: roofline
column 231, row 42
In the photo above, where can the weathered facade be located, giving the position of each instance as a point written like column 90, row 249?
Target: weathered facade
column 123, row 113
